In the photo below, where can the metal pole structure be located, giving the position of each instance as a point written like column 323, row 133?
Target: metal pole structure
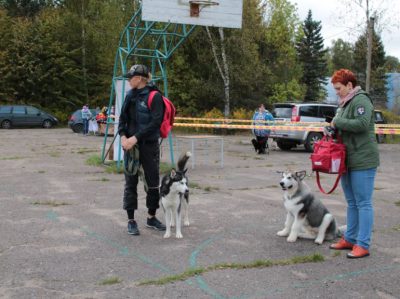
column 151, row 43
column 370, row 24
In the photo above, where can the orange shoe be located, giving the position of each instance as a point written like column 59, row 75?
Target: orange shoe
column 358, row 252
column 341, row 245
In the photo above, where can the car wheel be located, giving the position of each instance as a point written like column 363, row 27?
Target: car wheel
column 47, row 124
column 311, row 139
column 77, row 128
column 380, row 138
column 6, row 124
column 285, row 146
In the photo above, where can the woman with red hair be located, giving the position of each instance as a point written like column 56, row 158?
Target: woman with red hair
column 354, row 122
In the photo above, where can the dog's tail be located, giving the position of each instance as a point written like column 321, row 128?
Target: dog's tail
column 182, row 161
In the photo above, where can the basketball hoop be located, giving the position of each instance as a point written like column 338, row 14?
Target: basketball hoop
column 197, row 5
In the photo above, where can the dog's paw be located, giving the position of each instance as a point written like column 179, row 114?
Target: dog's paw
column 186, row 223
column 319, row 241
column 291, row 239
column 282, row 233
column 167, row 235
column 179, row 236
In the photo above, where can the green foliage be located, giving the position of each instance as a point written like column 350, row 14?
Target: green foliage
column 342, row 55
column 278, row 48
column 392, row 64
column 213, row 113
column 310, row 49
column 242, row 113
column 290, row 92
column 59, row 54
column 391, row 117
column 378, row 78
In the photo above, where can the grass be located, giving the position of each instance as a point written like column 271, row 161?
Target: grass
column 52, row 203
column 54, row 154
column 110, row 281
column 11, row 158
column 314, row 258
column 101, row 180
column 337, row 253
column 86, row 150
column 41, row 171
column 396, row 228
column 397, row 203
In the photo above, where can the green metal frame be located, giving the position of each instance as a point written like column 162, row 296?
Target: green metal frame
column 150, row 43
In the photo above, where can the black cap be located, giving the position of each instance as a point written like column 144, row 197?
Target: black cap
column 137, row 70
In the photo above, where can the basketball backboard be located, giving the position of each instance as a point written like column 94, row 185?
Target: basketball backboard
column 218, row 13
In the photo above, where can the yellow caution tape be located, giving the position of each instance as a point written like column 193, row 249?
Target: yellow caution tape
column 378, row 129
column 272, row 122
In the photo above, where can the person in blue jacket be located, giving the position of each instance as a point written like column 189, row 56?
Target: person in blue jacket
column 261, row 118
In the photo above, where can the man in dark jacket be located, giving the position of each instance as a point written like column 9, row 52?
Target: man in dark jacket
column 139, row 128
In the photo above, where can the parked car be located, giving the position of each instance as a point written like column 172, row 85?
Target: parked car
column 75, row 121
column 300, row 112
column 380, row 119
column 307, row 112
column 25, row 116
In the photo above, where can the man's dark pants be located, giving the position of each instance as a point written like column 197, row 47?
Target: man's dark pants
column 150, row 160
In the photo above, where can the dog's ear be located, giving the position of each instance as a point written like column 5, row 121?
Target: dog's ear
column 280, row 172
column 301, row 174
column 173, row 173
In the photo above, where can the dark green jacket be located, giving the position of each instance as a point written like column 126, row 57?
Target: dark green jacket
column 356, row 124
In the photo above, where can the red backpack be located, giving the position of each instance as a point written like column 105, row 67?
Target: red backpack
column 329, row 157
column 169, row 114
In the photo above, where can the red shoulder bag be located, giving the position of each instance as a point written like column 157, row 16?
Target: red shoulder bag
column 329, row 157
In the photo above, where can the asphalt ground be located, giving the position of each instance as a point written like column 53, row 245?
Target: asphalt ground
column 63, row 230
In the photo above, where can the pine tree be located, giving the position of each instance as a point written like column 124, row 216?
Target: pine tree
column 311, row 53
column 377, row 89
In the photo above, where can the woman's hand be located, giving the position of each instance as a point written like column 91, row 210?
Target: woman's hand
column 128, row 143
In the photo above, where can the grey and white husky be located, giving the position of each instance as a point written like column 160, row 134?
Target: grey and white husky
column 307, row 217
column 174, row 194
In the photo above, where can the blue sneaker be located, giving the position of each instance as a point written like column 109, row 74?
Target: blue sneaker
column 133, row 228
column 155, row 224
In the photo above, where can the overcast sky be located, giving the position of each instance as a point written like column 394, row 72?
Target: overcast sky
column 338, row 22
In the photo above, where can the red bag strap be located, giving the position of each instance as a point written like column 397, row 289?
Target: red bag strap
column 334, row 186
column 151, row 97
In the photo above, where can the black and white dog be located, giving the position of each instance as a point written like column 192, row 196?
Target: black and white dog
column 307, row 217
column 174, row 194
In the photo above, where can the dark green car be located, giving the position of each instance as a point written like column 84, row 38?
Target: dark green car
column 25, row 116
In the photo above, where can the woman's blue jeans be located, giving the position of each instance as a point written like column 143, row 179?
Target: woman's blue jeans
column 358, row 187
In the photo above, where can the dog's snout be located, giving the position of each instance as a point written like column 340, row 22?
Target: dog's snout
column 281, row 183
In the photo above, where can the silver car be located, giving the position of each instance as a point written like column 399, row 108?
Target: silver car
column 298, row 113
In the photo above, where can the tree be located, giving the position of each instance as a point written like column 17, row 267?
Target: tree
column 279, row 52
column 342, row 54
column 23, row 8
column 377, row 15
column 392, row 64
column 378, row 79
column 311, row 55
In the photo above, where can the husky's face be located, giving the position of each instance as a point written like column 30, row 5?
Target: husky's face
column 291, row 180
column 179, row 181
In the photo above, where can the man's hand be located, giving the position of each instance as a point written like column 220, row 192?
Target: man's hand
column 128, row 143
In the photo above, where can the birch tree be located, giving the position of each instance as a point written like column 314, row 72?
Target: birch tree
column 219, row 53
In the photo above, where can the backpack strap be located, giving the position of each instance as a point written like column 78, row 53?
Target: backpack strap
column 151, row 97
column 334, row 186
